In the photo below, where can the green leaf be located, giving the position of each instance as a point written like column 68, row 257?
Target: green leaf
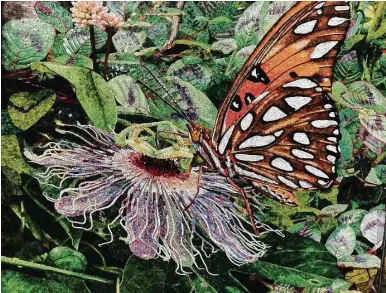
column 67, row 259
column 373, row 227
column 374, row 123
column 296, row 261
column 129, row 95
column 92, row 91
column 341, row 242
column 360, row 261
column 11, row 156
column 123, row 8
column 307, row 229
column 192, row 101
column 352, row 218
column 73, row 233
column 358, row 95
column 75, row 60
column 226, row 46
column 373, row 178
column 220, row 24
column 58, row 48
column 25, row 109
column 127, row 41
column 77, row 41
column 197, row 74
column 55, row 15
column 15, row 282
column 346, row 146
column 158, row 32
column 142, row 276
column 352, row 41
column 25, row 41
column 333, row 210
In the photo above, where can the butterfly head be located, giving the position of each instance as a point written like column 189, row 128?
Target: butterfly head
column 195, row 131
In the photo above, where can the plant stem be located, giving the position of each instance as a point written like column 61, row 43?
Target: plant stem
column 93, row 50
column 108, row 47
column 18, row 262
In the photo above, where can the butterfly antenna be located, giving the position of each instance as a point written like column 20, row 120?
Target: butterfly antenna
column 176, row 107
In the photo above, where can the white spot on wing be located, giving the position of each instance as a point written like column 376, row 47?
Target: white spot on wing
column 302, row 154
column 297, row 102
column 327, row 106
column 333, row 139
column 249, row 158
column 246, row 173
column 246, row 121
column 287, row 182
column 281, row 164
column 322, row 182
column 302, row 138
column 260, row 97
column 305, row 184
column 323, row 123
column 336, row 132
column 257, row 141
column 342, row 8
column 303, row 83
column 318, row 89
column 331, row 158
column 278, row 133
column 273, row 114
column 332, row 148
column 334, row 21
column 317, row 172
column 320, row 5
column 225, row 139
column 322, row 49
column 305, row 28
column 319, row 11
column 332, row 114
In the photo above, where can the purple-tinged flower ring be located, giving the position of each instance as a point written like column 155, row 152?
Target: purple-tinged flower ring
column 162, row 209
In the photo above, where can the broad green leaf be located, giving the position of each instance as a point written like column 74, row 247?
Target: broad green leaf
column 75, row 60
column 197, row 74
column 24, row 42
column 11, row 156
column 126, row 41
column 25, row 109
column 193, row 23
column 16, row 282
column 374, row 123
column 341, row 242
column 296, row 261
column 352, row 41
column 359, row 95
column 373, row 227
column 73, row 233
column 77, row 41
column 346, row 146
column 380, row 170
column 123, row 8
column 249, row 20
column 92, row 91
column 226, row 46
column 55, row 15
column 144, row 276
column 67, row 258
column 192, row 101
column 220, row 24
column 347, row 68
column 333, row 210
column 129, row 95
column 158, row 32
column 307, row 229
column 373, row 178
column 58, row 48
column 352, row 218
column 275, row 10
column 11, row 10
column 362, row 261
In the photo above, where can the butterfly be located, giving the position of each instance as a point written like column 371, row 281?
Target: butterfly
column 277, row 130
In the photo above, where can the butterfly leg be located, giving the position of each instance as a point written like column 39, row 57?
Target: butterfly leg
column 247, row 205
column 198, row 189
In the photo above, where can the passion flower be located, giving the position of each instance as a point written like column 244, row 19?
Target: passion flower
column 162, row 209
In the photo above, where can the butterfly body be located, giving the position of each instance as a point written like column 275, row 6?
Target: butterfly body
column 277, row 129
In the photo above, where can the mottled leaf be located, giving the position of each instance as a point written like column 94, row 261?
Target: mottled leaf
column 126, row 41
column 363, row 261
column 25, row 41
column 11, row 156
column 129, row 95
column 123, row 8
column 374, row 123
column 25, row 108
column 333, row 210
column 18, row 10
column 77, row 40
column 55, row 15
column 373, row 227
column 226, row 46
column 341, row 242
column 75, row 60
column 92, row 92
column 352, row 218
column 308, row 229
column 67, row 258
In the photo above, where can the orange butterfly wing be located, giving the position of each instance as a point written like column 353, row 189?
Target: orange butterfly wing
column 277, row 126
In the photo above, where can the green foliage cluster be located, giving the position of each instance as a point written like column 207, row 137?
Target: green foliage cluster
column 55, row 71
